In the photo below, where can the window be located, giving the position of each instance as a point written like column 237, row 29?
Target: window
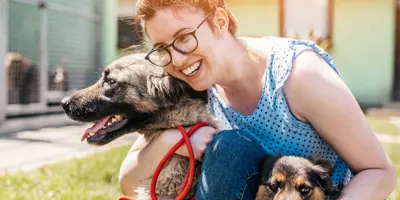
column 127, row 34
column 307, row 19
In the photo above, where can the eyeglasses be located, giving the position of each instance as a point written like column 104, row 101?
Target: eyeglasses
column 184, row 44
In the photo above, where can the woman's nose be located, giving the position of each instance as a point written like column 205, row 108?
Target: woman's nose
column 178, row 59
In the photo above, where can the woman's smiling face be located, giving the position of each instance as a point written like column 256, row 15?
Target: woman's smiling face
column 198, row 68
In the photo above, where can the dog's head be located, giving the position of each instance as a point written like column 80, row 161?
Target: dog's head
column 296, row 178
column 121, row 101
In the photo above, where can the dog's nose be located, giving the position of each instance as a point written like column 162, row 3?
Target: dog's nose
column 65, row 102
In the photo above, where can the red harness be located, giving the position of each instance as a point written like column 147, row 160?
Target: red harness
column 187, row 183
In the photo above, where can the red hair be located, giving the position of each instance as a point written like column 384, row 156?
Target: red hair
column 146, row 9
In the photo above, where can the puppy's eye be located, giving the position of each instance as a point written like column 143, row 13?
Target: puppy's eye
column 274, row 186
column 305, row 190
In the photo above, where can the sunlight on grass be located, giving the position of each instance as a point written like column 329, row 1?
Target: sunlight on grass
column 382, row 125
column 94, row 177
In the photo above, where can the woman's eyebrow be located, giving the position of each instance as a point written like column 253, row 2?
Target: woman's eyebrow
column 179, row 31
column 173, row 36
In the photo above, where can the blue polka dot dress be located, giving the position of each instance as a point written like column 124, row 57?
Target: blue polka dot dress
column 272, row 123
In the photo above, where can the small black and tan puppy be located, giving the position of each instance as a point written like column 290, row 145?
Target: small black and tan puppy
column 296, row 178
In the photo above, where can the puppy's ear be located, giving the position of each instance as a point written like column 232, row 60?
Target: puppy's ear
column 266, row 165
column 325, row 164
column 323, row 170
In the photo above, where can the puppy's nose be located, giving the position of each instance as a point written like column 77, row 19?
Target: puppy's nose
column 65, row 102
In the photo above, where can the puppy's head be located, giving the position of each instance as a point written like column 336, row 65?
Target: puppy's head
column 122, row 100
column 296, row 178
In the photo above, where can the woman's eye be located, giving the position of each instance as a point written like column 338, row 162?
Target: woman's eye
column 183, row 38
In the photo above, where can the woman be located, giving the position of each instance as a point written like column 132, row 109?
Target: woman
column 285, row 96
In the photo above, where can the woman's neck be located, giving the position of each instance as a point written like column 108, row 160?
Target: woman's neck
column 244, row 67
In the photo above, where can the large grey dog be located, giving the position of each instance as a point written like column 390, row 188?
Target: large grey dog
column 134, row 96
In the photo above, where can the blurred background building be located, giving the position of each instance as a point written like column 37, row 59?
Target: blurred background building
column 50, row 48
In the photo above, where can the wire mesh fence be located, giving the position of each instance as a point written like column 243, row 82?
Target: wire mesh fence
column 23, row 53
column 53, row 48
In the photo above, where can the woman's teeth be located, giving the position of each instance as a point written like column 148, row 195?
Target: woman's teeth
column 192, row 70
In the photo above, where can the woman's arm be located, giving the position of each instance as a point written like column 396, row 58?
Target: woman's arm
column 140, row 163
column 316, row 94
column 143, row 158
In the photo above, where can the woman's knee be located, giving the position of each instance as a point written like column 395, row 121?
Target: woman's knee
column 234, row 144
column 228, row 139
column 230, row 166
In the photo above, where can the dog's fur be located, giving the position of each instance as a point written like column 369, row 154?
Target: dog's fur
column 151, row 101
column 296, row 178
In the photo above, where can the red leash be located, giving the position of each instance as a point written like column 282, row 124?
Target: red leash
column 187, row 183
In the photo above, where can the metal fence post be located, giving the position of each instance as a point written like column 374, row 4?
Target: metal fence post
column 3, row 51
column 43, row 52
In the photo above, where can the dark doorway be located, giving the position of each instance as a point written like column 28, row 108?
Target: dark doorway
column 396, row 80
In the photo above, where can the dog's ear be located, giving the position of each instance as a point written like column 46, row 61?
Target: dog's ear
column 266, row 165
column 323, row 170
column 325, row 164
column 164, row 87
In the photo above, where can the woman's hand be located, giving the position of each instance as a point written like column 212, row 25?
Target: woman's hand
column 199, row 140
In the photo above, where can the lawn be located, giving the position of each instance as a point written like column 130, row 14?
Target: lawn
column 94, row 177
column 382, row 125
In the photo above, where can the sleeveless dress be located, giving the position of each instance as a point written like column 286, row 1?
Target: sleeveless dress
column 272, row 123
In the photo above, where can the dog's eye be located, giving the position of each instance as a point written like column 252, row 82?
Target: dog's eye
column 305, row 190
column 274, row 186
column 109, row 82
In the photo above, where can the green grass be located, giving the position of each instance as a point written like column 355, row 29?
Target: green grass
column 95, row 177
column 382, row 125
column 92, row 177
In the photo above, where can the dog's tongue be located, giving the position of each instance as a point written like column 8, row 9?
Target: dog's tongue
column 97, row 126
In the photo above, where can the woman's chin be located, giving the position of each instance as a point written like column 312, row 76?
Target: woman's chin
column 200, row 85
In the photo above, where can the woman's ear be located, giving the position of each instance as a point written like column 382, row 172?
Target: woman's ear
column 221, row 22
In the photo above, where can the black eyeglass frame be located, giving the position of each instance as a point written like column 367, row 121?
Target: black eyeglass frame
column 166, row 48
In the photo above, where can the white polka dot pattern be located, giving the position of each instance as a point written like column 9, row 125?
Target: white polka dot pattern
column 272, row 123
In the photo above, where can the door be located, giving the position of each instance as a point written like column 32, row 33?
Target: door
column 396, row 80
